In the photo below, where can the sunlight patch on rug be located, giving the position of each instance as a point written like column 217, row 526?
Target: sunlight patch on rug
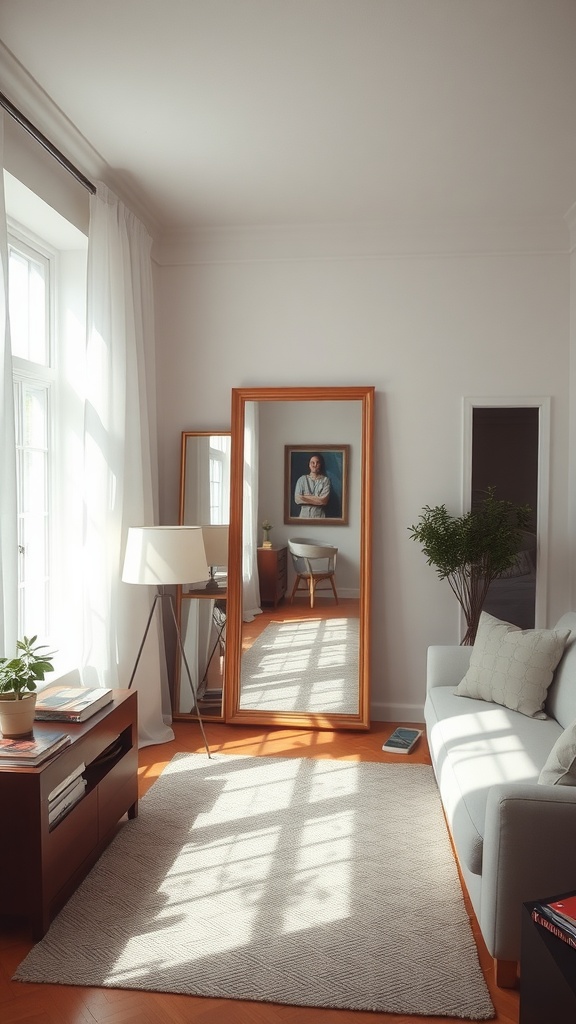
column 308, row 665
column 288, row 880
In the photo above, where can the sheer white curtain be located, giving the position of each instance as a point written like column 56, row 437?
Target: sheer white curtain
column 250, row 587
column 120, row 460
column 8, row 521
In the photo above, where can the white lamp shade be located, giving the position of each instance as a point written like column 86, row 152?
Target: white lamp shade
column 216, row 544
column 163, row 555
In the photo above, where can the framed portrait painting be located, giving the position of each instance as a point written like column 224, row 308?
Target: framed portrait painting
column 316, row 484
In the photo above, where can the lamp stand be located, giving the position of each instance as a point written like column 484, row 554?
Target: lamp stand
column 212, row 584
column 158, row 597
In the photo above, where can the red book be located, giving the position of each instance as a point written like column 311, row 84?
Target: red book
column 553, row 928
column 565, row 908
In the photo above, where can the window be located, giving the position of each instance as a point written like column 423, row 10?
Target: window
column 219, row 456
column 29, row 274
column 47, row 307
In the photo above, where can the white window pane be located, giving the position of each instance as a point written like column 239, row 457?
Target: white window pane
column 35, row 425
column 28, row 307
column 18, row 293
column 34, row 482
column 34, row 609
column 37, row 306
column 35, row 555
column 33, row 575
column 216, row 509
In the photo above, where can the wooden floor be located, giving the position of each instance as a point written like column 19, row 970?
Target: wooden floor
column 59, row 1004
column 297, row 611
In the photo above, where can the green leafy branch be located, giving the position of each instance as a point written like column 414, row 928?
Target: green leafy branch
column 472, row 550
column 21, row 674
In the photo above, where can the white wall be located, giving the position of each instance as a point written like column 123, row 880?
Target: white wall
column 571, row 220
column 426, row 330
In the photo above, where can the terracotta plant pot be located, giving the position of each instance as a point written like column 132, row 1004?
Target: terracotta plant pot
column 17, row 716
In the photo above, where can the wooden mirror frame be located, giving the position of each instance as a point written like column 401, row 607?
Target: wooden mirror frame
column 232, row 710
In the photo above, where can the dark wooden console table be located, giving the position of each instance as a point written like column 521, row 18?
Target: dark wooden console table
column 41, row 866
column 547, row 973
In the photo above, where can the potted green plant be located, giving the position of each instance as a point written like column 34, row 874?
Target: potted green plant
column 472, row 550
column 18, row 679
column 266, row 527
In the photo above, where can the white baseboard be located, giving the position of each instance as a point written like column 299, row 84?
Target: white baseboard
column 386, row 712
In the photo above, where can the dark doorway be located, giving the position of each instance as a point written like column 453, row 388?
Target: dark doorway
column 505, row 443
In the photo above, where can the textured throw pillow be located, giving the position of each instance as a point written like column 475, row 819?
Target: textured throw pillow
column 560, row 767
column 513, row 666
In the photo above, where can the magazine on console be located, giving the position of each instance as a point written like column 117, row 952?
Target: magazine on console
column 70, row 704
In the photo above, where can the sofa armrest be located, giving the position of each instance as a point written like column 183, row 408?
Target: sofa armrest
column 528, row 854
column 446, row 666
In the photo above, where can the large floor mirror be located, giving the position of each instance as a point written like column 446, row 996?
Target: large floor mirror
column 201, row 605
column 301, row 474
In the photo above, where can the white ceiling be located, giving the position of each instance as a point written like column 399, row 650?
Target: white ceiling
column 233, row 112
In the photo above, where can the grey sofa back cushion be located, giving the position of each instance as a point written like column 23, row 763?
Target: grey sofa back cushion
column 561, row 698
column 560, row 766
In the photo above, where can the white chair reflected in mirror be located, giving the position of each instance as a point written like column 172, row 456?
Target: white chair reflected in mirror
column 314, row 564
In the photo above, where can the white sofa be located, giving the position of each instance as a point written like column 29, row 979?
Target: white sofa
column 514, row 836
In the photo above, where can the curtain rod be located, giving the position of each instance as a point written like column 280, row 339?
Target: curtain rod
column 48, row 146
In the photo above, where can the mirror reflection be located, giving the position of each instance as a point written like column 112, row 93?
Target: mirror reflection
column 202, row 604
column 299, row 615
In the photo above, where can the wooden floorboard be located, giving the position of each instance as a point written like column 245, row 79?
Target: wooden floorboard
column 60, row 1004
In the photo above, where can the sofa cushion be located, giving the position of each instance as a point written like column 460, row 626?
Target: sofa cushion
column 511, row 666
column 560, row 767
column 561, row 699
column 474, row 746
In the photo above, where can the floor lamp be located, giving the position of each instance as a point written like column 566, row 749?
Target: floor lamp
column 163, row 556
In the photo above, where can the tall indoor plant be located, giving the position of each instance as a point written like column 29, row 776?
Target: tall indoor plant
column 18, row 679
column 472, row 550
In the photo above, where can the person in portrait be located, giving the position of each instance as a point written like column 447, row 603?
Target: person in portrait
column 312, row 491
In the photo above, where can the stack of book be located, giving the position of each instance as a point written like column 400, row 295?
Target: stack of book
column 211, row 696
column 559, row 917
column 28, row 752
column 65, row 795
column 210, row 703
column 70, row 704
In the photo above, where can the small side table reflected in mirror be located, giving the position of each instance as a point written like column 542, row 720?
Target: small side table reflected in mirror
column 272, row 574
column 210, row 686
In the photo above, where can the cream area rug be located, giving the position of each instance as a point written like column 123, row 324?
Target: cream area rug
column 287, row 880
column 308, row 665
